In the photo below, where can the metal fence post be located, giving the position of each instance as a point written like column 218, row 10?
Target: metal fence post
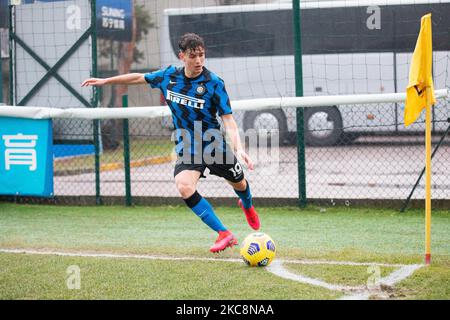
column 126, row 155
column 11, row 57
column 300, row 111
column 94, row 103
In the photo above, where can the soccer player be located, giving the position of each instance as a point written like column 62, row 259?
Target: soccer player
column 195, row 97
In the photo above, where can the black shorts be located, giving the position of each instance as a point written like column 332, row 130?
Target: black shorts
column 231, row 171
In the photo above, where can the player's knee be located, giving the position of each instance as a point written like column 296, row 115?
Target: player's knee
column 185, row 189
column 242, row 185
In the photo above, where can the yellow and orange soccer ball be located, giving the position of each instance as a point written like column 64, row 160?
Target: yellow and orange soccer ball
column 258, row 250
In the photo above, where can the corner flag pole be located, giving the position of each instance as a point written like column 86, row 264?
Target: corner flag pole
column 419, row 96
column 428, row 178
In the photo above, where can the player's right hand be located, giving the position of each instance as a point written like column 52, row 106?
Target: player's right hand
column 242, row 155
column 93, row 82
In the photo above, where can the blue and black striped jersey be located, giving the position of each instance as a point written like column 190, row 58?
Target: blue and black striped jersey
column 195, row 104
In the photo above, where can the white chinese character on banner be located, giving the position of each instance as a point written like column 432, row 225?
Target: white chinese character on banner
column 105, row 22
column 19, row 151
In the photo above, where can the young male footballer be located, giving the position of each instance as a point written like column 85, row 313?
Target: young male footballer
column 195, row 97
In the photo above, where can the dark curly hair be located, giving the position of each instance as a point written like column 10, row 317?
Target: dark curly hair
column 190, row 41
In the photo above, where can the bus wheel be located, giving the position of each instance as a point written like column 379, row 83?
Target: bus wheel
column 274, row 119
column 323, row 126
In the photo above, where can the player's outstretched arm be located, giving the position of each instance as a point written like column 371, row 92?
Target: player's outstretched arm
column 232, row 132
column 126, row 79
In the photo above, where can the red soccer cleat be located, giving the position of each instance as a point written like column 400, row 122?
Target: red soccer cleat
column 251, row 215
column 224, row 240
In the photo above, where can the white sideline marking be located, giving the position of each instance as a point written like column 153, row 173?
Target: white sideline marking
column 353, row 293
column 154, row 257
column 389, row 281
column 114, row 255
column 276, row 268
column 400, row 274
column 346, row 263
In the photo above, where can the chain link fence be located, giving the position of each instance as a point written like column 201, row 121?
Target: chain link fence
column 363, row 164
column 361, row 167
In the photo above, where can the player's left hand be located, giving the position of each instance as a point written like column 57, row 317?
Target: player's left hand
column 243, row 156
column 93, row 82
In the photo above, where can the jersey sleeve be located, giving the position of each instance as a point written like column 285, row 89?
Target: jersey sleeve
column 154, row 79
column 221, row 99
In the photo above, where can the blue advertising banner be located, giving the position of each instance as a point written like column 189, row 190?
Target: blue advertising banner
column 114, row 19
column 26, row 157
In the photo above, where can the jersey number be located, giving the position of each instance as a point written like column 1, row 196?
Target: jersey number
column 237, row 170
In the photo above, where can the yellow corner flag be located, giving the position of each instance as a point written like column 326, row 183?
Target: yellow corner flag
column 420, row 95
column 420, row 77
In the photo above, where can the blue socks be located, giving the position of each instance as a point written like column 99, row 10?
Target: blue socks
column 204, row 211
column 245, row 196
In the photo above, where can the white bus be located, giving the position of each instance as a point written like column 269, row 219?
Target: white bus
column 348, row 47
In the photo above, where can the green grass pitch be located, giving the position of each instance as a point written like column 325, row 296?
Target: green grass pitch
column 312, row 234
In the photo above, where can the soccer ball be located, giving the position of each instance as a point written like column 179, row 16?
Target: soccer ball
column 258, row 250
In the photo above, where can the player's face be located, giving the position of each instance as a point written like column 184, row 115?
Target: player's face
column 193, row 61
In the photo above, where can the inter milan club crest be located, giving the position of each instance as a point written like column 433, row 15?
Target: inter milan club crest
column 201, row 89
